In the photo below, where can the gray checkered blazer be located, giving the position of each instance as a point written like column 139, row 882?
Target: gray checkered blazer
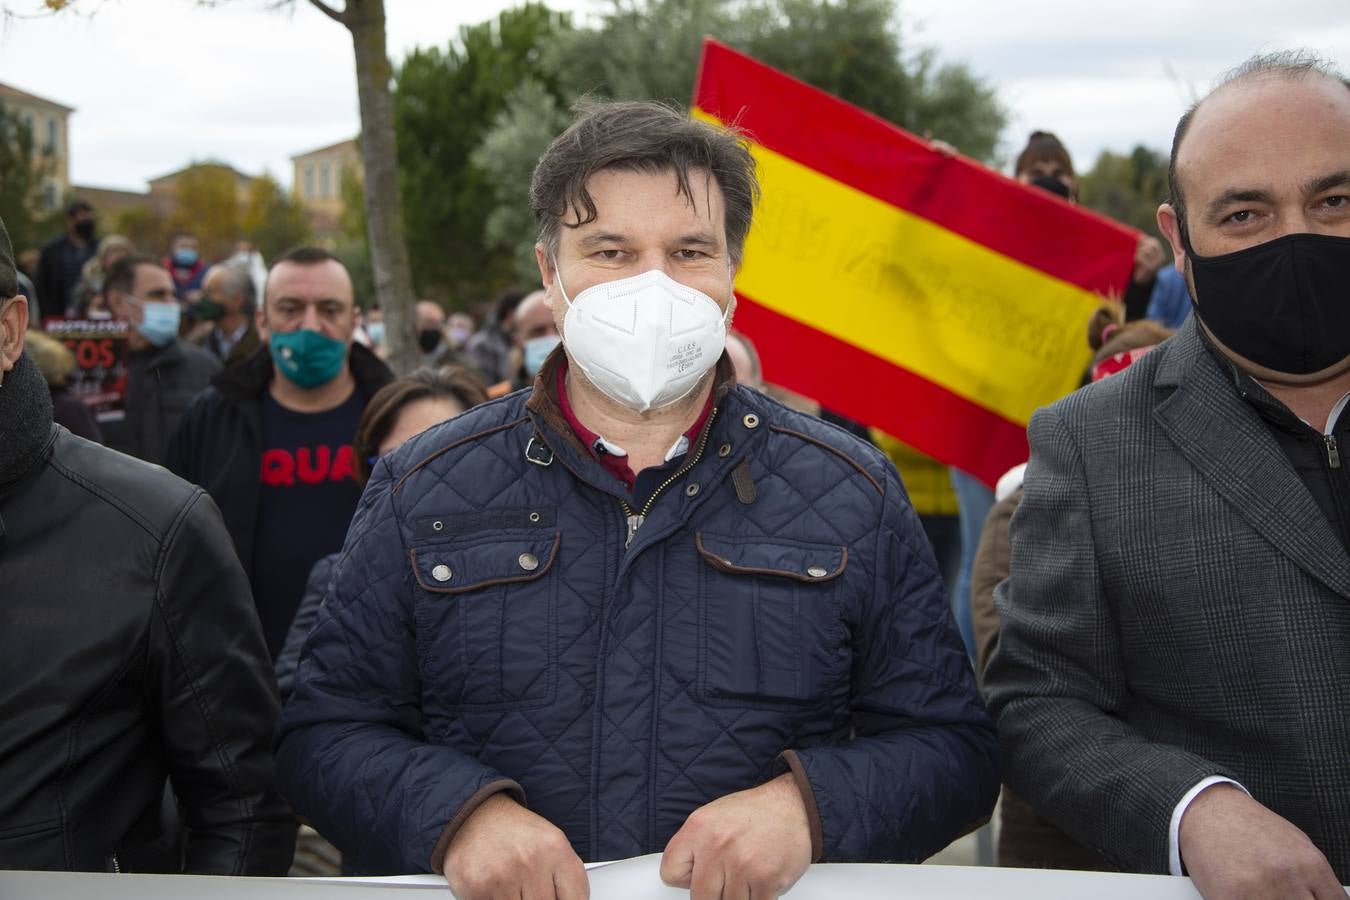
column 1178, row 607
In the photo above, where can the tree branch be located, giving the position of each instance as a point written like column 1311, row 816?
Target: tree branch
column 328, row 11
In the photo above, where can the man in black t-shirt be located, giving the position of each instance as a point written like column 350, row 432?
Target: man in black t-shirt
column 271, row 439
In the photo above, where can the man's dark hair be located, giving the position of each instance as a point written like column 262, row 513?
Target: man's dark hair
column 1290, row 65
column 641, row 136
column 506, row 304
column 78, row 206
column 121, row 276
column 307, row 256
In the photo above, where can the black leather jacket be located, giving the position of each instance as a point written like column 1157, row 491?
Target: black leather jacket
column 129, row 652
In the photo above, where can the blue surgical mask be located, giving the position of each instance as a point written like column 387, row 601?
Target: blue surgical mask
column 537, row 350
column 307, row 358
column 375, row 330
column 185, row 257
column 159, row 322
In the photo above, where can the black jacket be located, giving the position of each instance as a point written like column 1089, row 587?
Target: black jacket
column 218, row 445
column 134, row 659
column 161, row 385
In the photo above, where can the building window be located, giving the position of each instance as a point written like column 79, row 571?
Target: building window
column 51, row 135
column 49, row 198
column 309, row 182
column 324, row 182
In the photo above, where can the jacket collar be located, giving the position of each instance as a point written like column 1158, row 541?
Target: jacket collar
column 543, row 399
column 245, row 382
column 1225, row 438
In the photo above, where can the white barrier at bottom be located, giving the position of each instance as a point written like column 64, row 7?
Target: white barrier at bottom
column 633, row 879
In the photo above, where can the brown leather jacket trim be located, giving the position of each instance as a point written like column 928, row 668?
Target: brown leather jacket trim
column 474, row 801
column 478, row 585
column 837, row 452
column 794, row 765
column 744, row 483
column 723, row 564
column 543, row 400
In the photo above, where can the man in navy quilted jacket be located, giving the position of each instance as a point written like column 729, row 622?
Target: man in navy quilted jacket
column 636, row 608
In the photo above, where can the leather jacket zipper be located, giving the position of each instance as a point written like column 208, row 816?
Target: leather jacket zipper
column 635, row 519
column 1333, row 452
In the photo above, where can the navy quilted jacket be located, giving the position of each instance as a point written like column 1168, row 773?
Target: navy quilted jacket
column 490, row 627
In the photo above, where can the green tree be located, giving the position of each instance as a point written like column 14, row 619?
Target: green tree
column 508, row 153
column 206, row 203
column 1127, row 187
column 24, row 170
column 273, row 220
column 445, row 102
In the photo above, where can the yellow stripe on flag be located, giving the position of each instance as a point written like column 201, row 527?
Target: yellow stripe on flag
column 995, row 331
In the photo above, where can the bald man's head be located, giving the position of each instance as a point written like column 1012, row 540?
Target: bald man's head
column 1284, row 66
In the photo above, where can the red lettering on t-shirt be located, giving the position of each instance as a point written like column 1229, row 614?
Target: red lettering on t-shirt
column 281, row 468
column 310, row 472
column 344, row 466
column 278, row 468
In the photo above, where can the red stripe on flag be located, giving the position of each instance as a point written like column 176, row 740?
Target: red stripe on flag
column 875, row 392
column 868, row 153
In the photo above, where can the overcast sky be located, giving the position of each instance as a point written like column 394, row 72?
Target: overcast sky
column 159, row 83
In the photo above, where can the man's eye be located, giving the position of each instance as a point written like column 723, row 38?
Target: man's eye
column 1340, row 201
column 609, row 254
column 1241, row 216
column 688, row 253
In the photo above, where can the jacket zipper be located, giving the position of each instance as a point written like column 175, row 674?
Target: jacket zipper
column 635, row 519
column 1333, row 452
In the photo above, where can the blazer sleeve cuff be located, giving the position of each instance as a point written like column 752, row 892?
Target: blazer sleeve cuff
column 1174, row 865
column 475, row 800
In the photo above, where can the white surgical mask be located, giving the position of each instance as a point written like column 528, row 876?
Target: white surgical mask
column 646, row 341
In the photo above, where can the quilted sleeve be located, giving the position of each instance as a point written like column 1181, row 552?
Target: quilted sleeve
column 351, row 754
column 921, row 767
column 1057, row 682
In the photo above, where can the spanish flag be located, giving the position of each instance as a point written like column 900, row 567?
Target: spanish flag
column 916, row 292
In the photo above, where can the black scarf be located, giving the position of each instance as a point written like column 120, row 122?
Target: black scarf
column 25, row 420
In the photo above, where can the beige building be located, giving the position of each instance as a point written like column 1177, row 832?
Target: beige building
column 317, row 182
column 166, row 186
column 50, row 123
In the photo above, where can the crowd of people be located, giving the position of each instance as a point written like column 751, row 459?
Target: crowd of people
column 584, row 585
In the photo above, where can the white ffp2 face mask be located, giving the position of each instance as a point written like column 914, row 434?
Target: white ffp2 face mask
column 645, row 341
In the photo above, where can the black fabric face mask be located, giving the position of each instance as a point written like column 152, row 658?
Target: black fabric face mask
column 1052, row 184
column 1284, row 304
column 85, row 230
column 429, row 339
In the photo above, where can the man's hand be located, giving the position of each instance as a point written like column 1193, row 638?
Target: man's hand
column 505, row 851
column 751, row 844
column 1149, row 257
column 1234, row 849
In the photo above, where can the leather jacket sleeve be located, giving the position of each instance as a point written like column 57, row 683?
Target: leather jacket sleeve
column 212, row 684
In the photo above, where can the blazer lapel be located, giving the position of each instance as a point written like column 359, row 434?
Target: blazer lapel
column 1231, row 446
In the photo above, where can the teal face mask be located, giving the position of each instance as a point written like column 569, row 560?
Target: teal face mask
column 307, row 358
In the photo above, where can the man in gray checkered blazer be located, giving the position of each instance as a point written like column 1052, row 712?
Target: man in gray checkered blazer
column 1172, row 684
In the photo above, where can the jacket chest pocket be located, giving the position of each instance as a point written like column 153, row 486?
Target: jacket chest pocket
column 486, row 619
column 771, row 631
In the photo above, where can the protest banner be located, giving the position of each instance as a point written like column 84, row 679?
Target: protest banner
column 911, row 289
column 100, row 376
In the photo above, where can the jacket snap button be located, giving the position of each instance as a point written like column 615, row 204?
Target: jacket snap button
column 441, row 573
column 724, row 451
column 534, row 517
column 751, row 420
column 528, row 561
column 437, row 526
column 816, row 572
column 691, row 490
